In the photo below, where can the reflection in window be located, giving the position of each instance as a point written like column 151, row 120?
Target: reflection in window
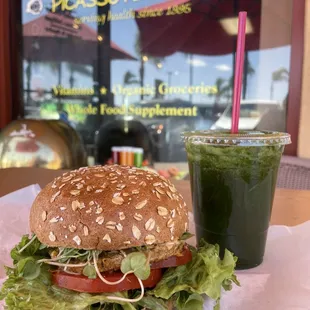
column 148, row 61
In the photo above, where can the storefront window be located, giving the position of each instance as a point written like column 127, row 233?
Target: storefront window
column 139, row 72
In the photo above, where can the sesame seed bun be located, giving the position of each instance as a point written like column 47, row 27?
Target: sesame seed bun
column 108, row 208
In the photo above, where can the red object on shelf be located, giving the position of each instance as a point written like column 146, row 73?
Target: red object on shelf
column 173, row 171
column 29, row 146
column 109, row 161
column 145, row 163
column 164, row 173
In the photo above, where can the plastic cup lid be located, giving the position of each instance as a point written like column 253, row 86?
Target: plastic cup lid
column 117, row 149
column 243, row 138
column 138, row 150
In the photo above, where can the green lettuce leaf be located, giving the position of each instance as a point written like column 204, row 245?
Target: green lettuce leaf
column 205, row 274
column 188, row 301
column 29, row 286
column 137, row 263
column 32, row 248
column 23, row 294
column 186, row 235
column 153, row 303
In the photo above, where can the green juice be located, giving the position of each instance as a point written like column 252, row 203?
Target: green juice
column 232, row 190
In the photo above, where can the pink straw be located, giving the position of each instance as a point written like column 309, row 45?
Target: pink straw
column 238, row 72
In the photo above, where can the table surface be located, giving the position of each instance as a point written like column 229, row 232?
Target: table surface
column 291, row 207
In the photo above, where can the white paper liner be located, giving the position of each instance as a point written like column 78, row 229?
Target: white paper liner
column 282, row 282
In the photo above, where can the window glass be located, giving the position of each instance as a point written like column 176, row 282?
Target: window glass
column 139, row 72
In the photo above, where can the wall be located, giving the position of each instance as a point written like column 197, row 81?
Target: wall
column 304, row 124
column 5, row 78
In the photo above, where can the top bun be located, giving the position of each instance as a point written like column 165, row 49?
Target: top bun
column 108, row 208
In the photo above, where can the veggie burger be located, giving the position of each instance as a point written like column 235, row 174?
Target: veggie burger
column 113, row 237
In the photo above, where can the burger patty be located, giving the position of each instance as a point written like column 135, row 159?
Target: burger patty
column 111, row 261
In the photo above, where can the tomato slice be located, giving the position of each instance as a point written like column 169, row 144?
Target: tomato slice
column 174, row 261
column 83, row 284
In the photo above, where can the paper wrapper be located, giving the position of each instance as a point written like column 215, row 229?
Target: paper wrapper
column 282, row 282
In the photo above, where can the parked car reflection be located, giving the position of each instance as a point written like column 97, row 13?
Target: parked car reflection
column 254, row 114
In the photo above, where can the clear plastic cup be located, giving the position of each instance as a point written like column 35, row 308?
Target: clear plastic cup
column 233, row 179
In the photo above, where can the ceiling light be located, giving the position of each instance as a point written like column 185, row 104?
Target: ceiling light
column 230, row 25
